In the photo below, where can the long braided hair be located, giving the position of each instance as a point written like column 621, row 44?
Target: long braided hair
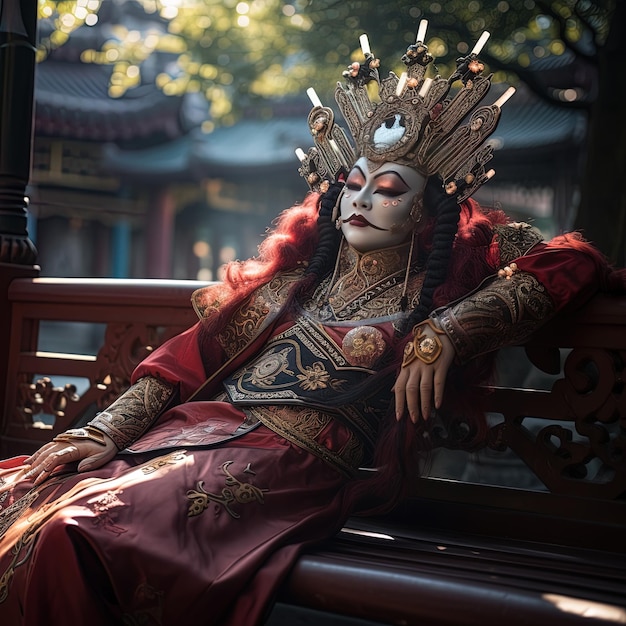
column 306, row 235
column 443, row 211
column 325, row 255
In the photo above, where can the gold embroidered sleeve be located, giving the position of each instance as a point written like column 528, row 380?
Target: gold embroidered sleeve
column 244, row 324
column 248, row 321
column 515, row 240
column 504, row 312
column 134, row 411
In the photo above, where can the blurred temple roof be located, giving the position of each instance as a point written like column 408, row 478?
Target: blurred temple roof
column 148, row 135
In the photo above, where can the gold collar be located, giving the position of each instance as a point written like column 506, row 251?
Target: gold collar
column 366, row 285
column 358, row 271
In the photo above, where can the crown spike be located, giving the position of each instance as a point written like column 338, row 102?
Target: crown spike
column 401, row 84
column 425, row 87
column 365, row 45
column 313, row 97
column 480, row 44
column 504, row 97
column 416, row 121
column 421, row 31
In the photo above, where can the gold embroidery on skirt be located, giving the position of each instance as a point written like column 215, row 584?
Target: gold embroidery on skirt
column 149, row 603
column 7, row 518
column 104, row 508
column 3, row 496
column 234, row 491
column 302, row 426
column 40, row 515
column 12, row 512
column 162, row 461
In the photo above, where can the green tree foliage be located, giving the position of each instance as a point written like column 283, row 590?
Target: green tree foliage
column 569, row 52
column 239, row 52
column 232, row 51
column 522, row 33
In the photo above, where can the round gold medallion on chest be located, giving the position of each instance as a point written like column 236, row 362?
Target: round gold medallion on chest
column 363, row 346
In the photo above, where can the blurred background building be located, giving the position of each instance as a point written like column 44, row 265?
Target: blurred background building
column 133, row 185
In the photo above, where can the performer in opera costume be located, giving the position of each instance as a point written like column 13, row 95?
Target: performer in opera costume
column 370, row 310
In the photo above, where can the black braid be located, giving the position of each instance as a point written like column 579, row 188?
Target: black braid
column 447, row 221
column 323, row 260
column 447, row 213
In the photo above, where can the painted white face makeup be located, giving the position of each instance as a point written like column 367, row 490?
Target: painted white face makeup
column 374, row 202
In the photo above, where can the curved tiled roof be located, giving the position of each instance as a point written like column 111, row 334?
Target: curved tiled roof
column 536, row 124
column 72, row 101
column 526, row 125
column 148, row 134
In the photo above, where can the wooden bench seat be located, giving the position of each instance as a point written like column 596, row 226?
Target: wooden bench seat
column 456, row 552
column 417, row 576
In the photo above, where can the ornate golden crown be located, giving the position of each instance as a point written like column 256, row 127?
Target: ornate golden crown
column 417, row 122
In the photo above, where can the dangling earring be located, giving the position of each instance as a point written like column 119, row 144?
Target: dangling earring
column 335, row 214
column 404, row 300
column 417, row 207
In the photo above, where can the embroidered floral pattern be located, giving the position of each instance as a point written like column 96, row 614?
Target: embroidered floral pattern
column 305, row 427
column 168, row 459
column 12, row 512
column 133, row 412
column 24, row 546
column 234, row 491
column 314, row 377
column 503, row 312
column 272, row 364
column 248, row 320
column 104, row 516
column 297, row 362
column 367, row 286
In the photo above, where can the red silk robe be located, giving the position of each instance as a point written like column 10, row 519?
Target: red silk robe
column 195, row 526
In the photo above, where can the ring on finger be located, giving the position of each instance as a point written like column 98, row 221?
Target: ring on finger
column 67, row 450
column 426, row 348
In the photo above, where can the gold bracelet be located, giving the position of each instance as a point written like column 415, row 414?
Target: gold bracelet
column 425, row 348
column 81, row 434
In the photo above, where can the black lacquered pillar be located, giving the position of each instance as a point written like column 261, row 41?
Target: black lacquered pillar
column 18, row 23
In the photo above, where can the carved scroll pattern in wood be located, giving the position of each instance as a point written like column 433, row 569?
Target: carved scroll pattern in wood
column 42, row 397
column 125, row 346
column 584, row 454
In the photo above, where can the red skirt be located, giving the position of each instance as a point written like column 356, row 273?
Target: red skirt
column 193, row 536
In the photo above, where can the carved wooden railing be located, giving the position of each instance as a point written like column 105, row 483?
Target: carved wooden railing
column 575, row 443
column 576, row 440
column 138, row 316
column 571, row 436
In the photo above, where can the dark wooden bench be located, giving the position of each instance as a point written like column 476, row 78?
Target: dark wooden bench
column 467, row 547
